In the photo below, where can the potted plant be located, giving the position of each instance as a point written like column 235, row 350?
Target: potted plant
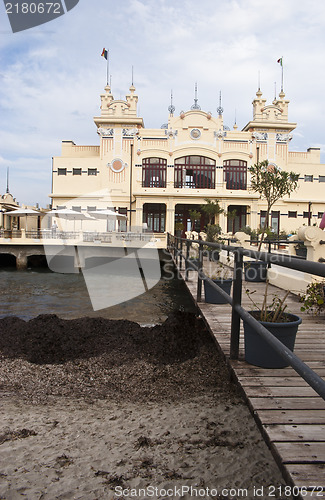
column 212, row 210
column 193, row 261
column 179, row 228
column 221, row 276
column 272, row 184
column 212, row 232
column 195, row 216
column 281, row 324
column 314, row 298
column 301, row 250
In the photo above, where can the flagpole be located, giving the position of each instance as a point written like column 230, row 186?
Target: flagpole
column 282, row 74
column 107, row 69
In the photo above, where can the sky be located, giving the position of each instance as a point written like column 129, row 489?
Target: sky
column 51, row 76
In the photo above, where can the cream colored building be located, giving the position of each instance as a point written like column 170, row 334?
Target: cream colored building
column 156, row 176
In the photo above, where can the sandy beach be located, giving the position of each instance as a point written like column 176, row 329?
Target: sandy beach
column 99, row 409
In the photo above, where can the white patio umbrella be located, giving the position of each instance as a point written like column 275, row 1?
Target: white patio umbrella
column 23, row 212
column 68, row 214
column 108, row 215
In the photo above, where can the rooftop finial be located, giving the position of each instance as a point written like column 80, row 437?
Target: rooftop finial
column 235, row 124
column 171, row 108
column 259, row 80
column 195, row 105
column 220, row 108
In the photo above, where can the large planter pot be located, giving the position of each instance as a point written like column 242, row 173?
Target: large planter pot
column 259, row 353
column 189, row 265
column 255, row 270
column 212, row 296
column 214, row 255
column 301, row 252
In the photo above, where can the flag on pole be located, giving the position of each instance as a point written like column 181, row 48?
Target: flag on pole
column 105, row 54
column 279, row 61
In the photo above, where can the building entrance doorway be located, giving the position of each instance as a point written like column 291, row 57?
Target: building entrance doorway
column 182, row 215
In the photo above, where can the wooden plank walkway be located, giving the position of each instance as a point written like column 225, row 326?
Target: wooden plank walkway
column 289, row 413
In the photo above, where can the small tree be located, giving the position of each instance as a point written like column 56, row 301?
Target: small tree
column 212, row 209
column 231, row 216
column 194, row 216
column 272, row 184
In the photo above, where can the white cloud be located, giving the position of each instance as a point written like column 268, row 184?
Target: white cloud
column 52, row 76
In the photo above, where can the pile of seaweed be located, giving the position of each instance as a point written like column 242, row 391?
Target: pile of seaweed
column 99, row 358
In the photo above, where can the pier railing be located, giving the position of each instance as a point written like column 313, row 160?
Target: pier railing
column 175, row 245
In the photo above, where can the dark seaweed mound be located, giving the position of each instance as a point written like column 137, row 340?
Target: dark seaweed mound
column 99, row 358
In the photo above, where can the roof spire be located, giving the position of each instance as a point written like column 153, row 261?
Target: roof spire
column 7, row 190
column 171, row 108
column 195, row 105
column 220, row 108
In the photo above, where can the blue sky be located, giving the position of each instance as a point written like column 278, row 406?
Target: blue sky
column 51, row 76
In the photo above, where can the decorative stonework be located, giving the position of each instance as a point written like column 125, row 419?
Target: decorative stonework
column 220, row 134
column 283, row 137
column 260, row 136
column 117, row 165
column 130, row 132
column 171, row 134
column 195, row 133
column 105, row 132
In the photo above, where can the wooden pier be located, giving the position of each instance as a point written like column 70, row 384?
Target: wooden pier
column 289, row 413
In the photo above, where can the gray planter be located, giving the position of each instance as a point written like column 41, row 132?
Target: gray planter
column 255, row 270
column 212, row 296
column 259, row 353
column 189, row 265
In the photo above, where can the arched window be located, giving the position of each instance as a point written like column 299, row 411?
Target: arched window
column 197, row 172
column 235, row 174
column 154, row 172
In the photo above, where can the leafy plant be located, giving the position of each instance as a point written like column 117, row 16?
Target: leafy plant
column 271, row 311
column 272, row 184
column 221, row 272
column 194, row 216
column 179, row 226
column 314, row 298
column 212, row 232
column 212, row 209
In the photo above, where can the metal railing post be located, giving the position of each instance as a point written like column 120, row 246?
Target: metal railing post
column 236, row 297
column 180, row 253
column 188, row 243
column 199, row 274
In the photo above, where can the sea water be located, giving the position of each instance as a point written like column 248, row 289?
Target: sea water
column 27, row 294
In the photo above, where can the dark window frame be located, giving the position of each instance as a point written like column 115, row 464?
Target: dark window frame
column 235, row 174
column 154, row 172
column 62, row 171
column 76, row 171
column 154, row 215
column 195, row 172
column 292, row 214
column 92, row 171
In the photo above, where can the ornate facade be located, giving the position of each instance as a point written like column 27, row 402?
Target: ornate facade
column 156, row 176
